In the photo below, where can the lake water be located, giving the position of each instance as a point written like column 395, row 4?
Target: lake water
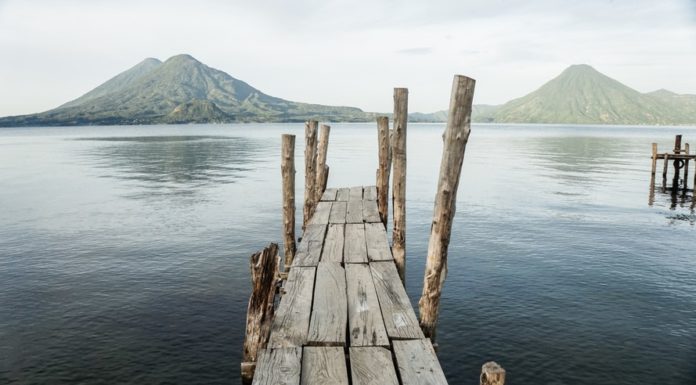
column 124, row 250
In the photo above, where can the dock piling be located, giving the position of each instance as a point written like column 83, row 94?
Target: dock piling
column 310, row 170
column 384, row 168
column 399, row 180
column 686, row 168
column 492, row 374
column 677, row 162
column 456, row 137
column 264, row 275
column 654, row 159
column 322, row 168
column 287, row 166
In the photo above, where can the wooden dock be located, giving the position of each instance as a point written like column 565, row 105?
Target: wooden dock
column 344, row 316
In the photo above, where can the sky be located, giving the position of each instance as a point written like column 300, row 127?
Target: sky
column 346, row 52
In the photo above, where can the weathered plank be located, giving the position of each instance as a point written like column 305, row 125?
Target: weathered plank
column 329, row 194
column 324, row 365
column 377, row 246
column 356, row 193
column 355, row 248
column 291, row 320
column 343, row 194
column 370, row 193
column 279, row 367
column 333, row 245
column 338, row 212
column 365, row 323
column 355, row 212
column 372, row 366
column 309, row 250
column 321, row 213
column 418, row 363
column 371, row 212
column 399, row 318
column 327, row 326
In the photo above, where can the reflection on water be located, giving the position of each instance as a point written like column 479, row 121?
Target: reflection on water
column 174, row 165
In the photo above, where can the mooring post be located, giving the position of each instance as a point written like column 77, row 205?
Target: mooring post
column 654, row 159
column 384, row 168
column 322, row 168
column 664, row 171
column 456, row 137
column 492, row 374
column 310, row 169
column 686, row 167
column 287, row 167
column 677, row 150
column 399, row 180
column 264, row 277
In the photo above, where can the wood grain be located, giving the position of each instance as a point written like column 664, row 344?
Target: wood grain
column 355, row 247
column 329, row 318
column 377, row 246
column 333, row 245
column 291, row 320
column 321, row 213
column 354, row 213
column 324, row 366
column 418, row 363
column 279, row 367
column 338, row 212
column 399, row 318
column 372, row 366
column 365, row 324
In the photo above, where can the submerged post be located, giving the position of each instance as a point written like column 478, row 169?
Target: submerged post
column 322, row 168
column 310, row 169
column 677, row 150
column 399, row 180
column 384, row 168
column 492, row 374
column 264, row 275
column 456, row 137
column 287, row 167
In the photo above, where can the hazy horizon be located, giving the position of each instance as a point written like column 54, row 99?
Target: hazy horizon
column 343, row 53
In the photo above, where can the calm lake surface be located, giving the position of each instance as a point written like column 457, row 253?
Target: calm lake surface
column 124, row 250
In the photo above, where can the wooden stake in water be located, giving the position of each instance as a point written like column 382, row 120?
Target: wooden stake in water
column 399, row 179
column 676, row 163
column 686, row 168
column 322, row 168
column 456, row 137
column 310, row 169
column 384, row 168
column 264, row 276
column 492, row 374
column 287, row 167
column 654, row 159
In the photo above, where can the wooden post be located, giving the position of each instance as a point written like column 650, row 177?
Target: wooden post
column 310, row 169
column 686, row 168
column 492, row 374
column 287, row 167
column 264, row 277
column 664, row 171
column 654, row 159
column 677, row 150
column 322, row 168
column 399, row 180
column 456, row 137
column 384, row 168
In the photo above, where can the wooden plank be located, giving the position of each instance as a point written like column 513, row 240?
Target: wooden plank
column 321, row 213
column 418, row 363
column 324, row 365
column 372, row 366
column 291, row 320
column 338, row 212
column 279, row 367
column 365, row 324
column 333, row 245
column 355, row 248
column 329, row 194
column 343, row 194
column 356, row 193
column 355, row 212
column 327, row 326
column 309, row 250
column 377, row 246
column 399, row 318
column 371, row 212
column 370, row 193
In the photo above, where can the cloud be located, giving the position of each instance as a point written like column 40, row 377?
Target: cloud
column 416, row 51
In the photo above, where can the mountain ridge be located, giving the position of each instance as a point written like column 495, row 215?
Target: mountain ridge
column 184, row 90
